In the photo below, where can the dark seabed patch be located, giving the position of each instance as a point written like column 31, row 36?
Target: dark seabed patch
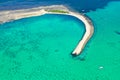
column 117, row 32
column 56, row 50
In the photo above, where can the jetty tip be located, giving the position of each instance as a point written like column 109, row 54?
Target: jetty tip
column 74, row 54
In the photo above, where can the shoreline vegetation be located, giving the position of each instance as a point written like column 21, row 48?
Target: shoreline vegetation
column 10, row 15
column 57, row 11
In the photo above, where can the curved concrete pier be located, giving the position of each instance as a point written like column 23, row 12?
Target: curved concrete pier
column 18, row 14
column 88, row 34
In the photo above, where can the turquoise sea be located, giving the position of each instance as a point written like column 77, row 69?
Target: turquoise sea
column 39, row 48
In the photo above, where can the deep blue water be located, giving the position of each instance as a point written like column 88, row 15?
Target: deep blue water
column 79, row 5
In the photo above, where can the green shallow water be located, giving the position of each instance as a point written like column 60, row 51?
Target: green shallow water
column 39, row 48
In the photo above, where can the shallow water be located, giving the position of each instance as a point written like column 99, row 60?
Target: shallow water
column 105, row 46
column 39, row 48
